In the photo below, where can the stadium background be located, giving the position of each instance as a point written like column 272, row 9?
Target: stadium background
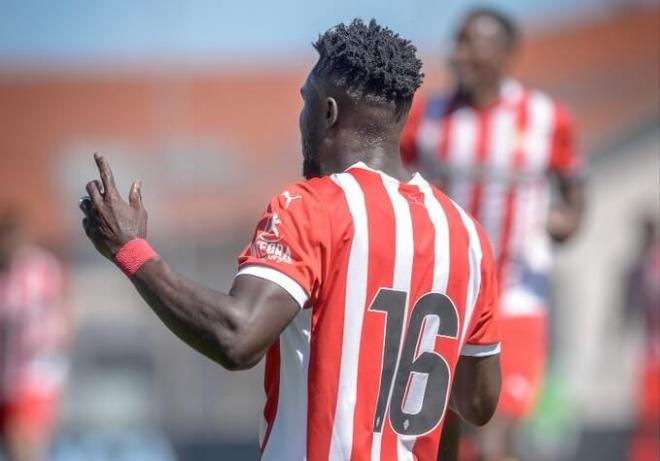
column 200, row 100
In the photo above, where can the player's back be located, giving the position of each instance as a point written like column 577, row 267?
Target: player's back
column 396, row 282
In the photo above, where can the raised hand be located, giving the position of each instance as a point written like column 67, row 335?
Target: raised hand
column 109, row 221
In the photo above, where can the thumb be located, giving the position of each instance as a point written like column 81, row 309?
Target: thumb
column 135, row 195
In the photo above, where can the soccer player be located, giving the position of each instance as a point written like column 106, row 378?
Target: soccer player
column 367, row 290
column 34, row 332
column 499, row 149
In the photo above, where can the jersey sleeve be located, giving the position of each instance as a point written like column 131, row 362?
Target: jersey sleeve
column 564, row 158
column 483, row 337
column 289, row 244
column 409, row 134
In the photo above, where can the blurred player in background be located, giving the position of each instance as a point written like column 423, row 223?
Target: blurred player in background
column 34, row 332
column 364, row 286
column 642, row 302
column 506, row 154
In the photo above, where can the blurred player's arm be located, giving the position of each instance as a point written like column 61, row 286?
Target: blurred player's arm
column 476, row 388
column 566, row 169
column 233, row 329
column 566, row 215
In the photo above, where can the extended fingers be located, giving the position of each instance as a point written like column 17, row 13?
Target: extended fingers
column 135, row 195
column 106, row 174
column 94, row 190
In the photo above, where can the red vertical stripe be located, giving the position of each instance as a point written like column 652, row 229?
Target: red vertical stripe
column 327, row 332
column 446, row 129
column 424, row 259
column 424, row 240
column 445, row 132
column 421, row 281
column 409, row 145
column 380, row 218
column 483, row 142
column 389, row 443
column 518, row 163
column 272, row 389
column 427, row 447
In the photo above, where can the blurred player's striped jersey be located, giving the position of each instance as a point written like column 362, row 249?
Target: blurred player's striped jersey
column 495, row 162
column 395, row 282
column 33, row 325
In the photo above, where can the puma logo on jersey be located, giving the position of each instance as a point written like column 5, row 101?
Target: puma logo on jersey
column 290, row 198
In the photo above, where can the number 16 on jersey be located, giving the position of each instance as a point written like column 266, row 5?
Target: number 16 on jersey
column 415, row 380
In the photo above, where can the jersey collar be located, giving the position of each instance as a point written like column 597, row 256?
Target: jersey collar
column 416, row 180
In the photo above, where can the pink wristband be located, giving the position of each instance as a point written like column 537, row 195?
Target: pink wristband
column 133, row 255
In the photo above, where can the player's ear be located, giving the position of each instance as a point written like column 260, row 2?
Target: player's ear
column 331, row 112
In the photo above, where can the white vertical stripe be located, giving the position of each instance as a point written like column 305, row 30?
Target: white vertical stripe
column 428, row 138
column 428, row 141
column 441, row 270
column 403, row 258
column 502, row 147
column 538, row 137
column 474, row 258
column 439, row 220
column 287, row 440
column 354, row 307
column 527, row 205
column 461, row 155
column 403, row 263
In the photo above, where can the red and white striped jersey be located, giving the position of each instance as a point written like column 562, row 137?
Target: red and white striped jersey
column 33, row 325
column 496, row 162
column 395, row 282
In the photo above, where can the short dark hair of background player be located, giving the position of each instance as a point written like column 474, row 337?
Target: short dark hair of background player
column 509, row 28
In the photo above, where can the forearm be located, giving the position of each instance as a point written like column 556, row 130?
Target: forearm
column 232, row 329
column 461, row 405
column 473, row 407
column 476, row 389
column 205, row 319
column 565, row 217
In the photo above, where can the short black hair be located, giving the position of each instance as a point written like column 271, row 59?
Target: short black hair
column 370, row 61
column 508, row 24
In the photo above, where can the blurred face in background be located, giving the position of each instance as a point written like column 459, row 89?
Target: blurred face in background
column 482, row 53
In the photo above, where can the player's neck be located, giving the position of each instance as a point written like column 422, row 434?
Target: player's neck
column 485, row 95
column 382, row 155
